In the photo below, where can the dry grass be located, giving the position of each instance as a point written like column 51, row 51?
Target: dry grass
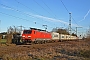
column 72, row 50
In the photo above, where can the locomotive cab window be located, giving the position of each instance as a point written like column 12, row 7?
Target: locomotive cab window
column 27, row 32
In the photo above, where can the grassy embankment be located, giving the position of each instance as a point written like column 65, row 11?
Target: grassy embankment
column 3, row 41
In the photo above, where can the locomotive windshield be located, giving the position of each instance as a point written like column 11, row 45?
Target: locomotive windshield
column 27, row 32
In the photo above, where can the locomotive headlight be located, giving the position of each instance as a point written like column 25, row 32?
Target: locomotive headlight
column 29, row 36
column 23, row 36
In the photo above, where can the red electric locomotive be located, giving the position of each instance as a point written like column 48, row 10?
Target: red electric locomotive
column 35, row 35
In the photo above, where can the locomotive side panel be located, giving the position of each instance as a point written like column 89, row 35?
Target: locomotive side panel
column 41, row 35
column 35, row 35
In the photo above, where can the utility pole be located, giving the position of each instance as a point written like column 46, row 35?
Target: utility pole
column 45, row 26
column 88, row 33
column 20, row 27
column 70, row 23
column 76, row 29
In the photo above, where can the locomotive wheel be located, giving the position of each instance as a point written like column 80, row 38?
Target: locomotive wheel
column 44, row 41
column 36, row 42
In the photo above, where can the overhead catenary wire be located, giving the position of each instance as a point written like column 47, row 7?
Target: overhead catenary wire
column 13, row 9
column 42, row 7
column 68, row 11
column 26, row 6
column 32, row 9
column 16, row 11
column 20, row 13
column 19, row 17
column 48, row 7
column 64, row 6
column 14, row 16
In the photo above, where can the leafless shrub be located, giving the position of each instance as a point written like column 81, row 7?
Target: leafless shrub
column 9, row 38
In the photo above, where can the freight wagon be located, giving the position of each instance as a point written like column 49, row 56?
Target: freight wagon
column 63, row 37
column 55, row 36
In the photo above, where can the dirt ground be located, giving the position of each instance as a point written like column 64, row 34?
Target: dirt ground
column 67, row 50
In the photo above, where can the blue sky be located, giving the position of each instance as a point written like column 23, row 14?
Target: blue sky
column 44, row 12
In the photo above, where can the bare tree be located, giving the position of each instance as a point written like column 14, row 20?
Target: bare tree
column 60, row 31
column 12, row 30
